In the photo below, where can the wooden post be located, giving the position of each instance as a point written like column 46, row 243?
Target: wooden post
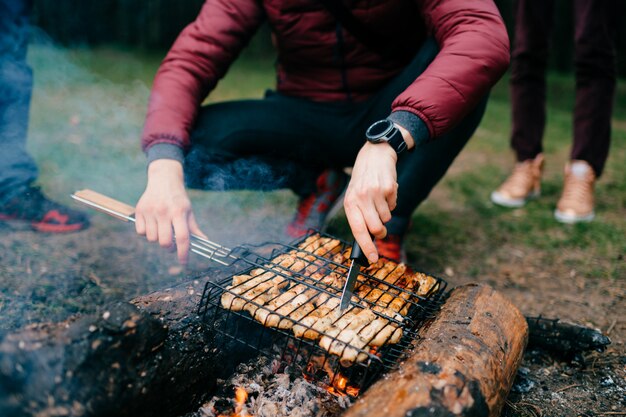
column 463, row 365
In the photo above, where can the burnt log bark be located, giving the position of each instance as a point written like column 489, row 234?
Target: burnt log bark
column 563, row 338
column 131, row 359
column 464, row 364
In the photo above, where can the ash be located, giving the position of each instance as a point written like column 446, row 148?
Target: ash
column 272, row 392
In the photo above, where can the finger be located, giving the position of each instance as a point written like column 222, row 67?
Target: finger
column 152, row 233
column 392, row 198
column 384, row 212
column 140, row 224
column 360, row 232
column 164, row 225
column 194, row 228
column 372, row 219
column 181, row 229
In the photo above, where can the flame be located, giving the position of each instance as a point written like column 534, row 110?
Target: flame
column 341, row 383
column 340, row 386
column 241, row 396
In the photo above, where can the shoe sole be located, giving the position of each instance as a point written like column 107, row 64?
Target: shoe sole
column 500, row 200
column 572, row 218
column 17, row 225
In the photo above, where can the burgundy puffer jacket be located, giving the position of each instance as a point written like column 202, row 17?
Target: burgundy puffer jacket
column 319, row 60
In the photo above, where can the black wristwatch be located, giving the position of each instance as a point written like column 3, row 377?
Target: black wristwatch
column 386, row 131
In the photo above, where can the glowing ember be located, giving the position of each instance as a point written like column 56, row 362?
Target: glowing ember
column 339, row 384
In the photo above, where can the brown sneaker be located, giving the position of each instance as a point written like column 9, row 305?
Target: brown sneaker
column 576, row 203
column 523, row 184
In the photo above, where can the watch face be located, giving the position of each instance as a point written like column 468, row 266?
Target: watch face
column 378, row 130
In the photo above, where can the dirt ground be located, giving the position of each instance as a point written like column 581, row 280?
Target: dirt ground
column 47, row 278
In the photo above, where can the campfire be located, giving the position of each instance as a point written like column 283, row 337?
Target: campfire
column 284, row 305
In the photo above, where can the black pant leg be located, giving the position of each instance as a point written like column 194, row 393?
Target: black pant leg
column 595, row 65
column 266, row 144
column 533, row 24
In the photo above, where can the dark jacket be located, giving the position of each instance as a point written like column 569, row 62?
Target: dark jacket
column 319, row 60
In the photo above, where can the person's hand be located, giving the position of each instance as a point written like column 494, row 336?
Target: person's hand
column 371, row 195
column 164, row 209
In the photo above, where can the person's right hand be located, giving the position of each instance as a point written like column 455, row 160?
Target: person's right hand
column 164, row 209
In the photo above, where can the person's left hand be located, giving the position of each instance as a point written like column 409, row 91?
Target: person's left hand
column 371, row 195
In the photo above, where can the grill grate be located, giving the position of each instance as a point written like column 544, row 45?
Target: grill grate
column 275, row 304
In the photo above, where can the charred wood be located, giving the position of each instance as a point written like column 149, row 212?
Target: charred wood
column 563, row 338
column 131, row 359
column 464, row 364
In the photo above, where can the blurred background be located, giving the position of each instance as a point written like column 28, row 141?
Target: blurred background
column 154, row 24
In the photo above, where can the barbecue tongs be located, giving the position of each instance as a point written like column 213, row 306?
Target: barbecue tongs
column 358, row 259
column 199, row 245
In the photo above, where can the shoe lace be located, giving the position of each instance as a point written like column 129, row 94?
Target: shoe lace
column 521, row 177
column 577, row 189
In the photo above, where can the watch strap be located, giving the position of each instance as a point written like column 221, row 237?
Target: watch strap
column 397, row 141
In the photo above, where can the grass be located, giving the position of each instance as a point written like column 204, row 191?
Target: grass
column 88, row 110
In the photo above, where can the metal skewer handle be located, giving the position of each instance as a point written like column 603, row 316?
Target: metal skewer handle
column 199, row 245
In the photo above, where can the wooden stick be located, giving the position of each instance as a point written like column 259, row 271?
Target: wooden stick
column 104, row 204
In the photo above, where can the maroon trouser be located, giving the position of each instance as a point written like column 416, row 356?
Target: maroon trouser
column 594, row 60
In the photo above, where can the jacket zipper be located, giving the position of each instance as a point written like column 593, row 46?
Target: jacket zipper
column 342, row 63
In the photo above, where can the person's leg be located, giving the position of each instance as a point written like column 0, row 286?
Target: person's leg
column 271, row 143
column 595, row 66
column 533, row 23
column 21, row 203
column 17, row 168
column 276, row 142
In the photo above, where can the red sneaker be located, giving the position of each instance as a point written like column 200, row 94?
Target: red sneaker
column 313, row 210
column 43, row 215
column 391, row 247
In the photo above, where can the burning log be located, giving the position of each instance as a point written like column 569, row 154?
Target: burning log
column 131, row 359
column 464, row 364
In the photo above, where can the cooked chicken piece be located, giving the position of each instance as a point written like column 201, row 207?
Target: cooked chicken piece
column 347, row 342
column 426, row 283
column 343, row 339
column 294, row 303
column 238, row 296
column 319, row 320
column 383, row 333
column 237, row 302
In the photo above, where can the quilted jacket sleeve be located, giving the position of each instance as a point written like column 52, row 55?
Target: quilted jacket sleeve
column 474, row 53
column 198, row 58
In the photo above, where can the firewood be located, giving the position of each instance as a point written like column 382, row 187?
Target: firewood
column 563, row 338
column 463, row 365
